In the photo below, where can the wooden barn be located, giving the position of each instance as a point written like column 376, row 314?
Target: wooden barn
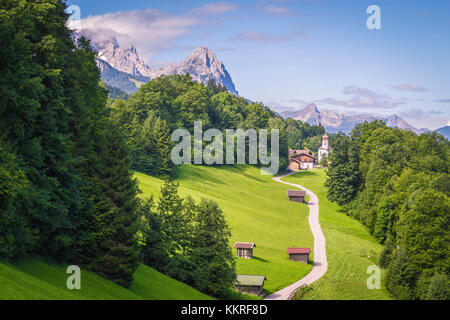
column 299, row 254
column 301, row 160
column 297, row 195
column 250, row 284
column 244, row 249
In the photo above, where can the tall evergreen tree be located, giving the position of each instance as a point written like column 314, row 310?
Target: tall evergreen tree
column 119, row 251
column 438, row 288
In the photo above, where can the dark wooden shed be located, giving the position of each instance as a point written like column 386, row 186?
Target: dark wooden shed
column 297, row 195
column 299, row 254
column 244, row 249
column 250, row 284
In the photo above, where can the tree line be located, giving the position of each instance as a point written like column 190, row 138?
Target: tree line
column 167, row 103
column 67, row 191
column 67, row 155
column 397, row 184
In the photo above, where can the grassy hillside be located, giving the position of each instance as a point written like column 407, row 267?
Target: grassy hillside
column 350, row 248
column 37, row 280
column 257, row 210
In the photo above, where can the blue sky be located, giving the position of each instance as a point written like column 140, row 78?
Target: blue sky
column 287, row 53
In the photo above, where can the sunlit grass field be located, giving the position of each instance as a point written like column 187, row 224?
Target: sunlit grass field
column 350, row 248
column 257, row 210
column 38, row 280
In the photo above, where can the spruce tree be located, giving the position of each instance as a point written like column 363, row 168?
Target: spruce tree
column 438, row 288
column 398, row 276
column 118, row 252
column 152, row 250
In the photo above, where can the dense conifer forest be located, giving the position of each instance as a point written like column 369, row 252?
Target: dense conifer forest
column 397, row 184
column 67, row 191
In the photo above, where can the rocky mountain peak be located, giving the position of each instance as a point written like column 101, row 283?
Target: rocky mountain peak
column 335, row 122
column 202, row 65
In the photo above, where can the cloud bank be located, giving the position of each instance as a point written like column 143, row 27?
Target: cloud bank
column 151, row 31
column 409, row 87
column 363, row 98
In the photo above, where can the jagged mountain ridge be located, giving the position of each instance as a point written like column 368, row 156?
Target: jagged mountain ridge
column 334, row 122
column 124, row 59
column 202, row 65
column 126, row 82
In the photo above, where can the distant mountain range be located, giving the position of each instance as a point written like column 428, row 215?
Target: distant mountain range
column 445, row 131
column 334, row 122
column 123, row 68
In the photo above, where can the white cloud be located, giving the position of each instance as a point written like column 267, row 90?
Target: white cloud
column 364, row 98
column 409, row 87
column 151, row 31
column 448, row 123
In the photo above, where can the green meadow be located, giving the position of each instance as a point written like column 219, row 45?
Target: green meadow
column 257, row 210
column 37, row 280
column 350, row 249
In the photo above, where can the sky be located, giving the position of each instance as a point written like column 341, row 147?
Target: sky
column 288, row 53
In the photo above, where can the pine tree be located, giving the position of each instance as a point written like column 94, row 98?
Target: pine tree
column 152, row 250
column 119, row 252
column 438, row 288
column 398, row 277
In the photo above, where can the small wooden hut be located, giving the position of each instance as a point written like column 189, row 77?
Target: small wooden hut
column 299, row 254
column 250, row 284
column 244, row 249
column 297, row 195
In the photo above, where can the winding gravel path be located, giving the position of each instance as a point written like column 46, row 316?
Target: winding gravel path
column 320, row 256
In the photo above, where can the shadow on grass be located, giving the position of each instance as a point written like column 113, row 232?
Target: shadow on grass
column 260, row 259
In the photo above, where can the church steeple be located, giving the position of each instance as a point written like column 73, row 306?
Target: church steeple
column 324, row 150
column 325, row 143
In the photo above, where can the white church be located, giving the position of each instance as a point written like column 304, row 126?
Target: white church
column 325, row 149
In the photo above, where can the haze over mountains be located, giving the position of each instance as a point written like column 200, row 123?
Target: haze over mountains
column 445, row 131
column 123, row 68
column 334, row 122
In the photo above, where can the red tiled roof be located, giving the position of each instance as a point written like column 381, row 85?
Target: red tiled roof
column 298, row 250
column 244, row 245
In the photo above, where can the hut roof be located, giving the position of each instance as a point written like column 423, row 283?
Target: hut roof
column 298, row 250
column 244, row 245
column 296, row 193
column 250, row 280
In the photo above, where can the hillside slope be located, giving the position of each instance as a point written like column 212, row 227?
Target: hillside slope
column 37, row 280
column 257, row 210
column 350, row 249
